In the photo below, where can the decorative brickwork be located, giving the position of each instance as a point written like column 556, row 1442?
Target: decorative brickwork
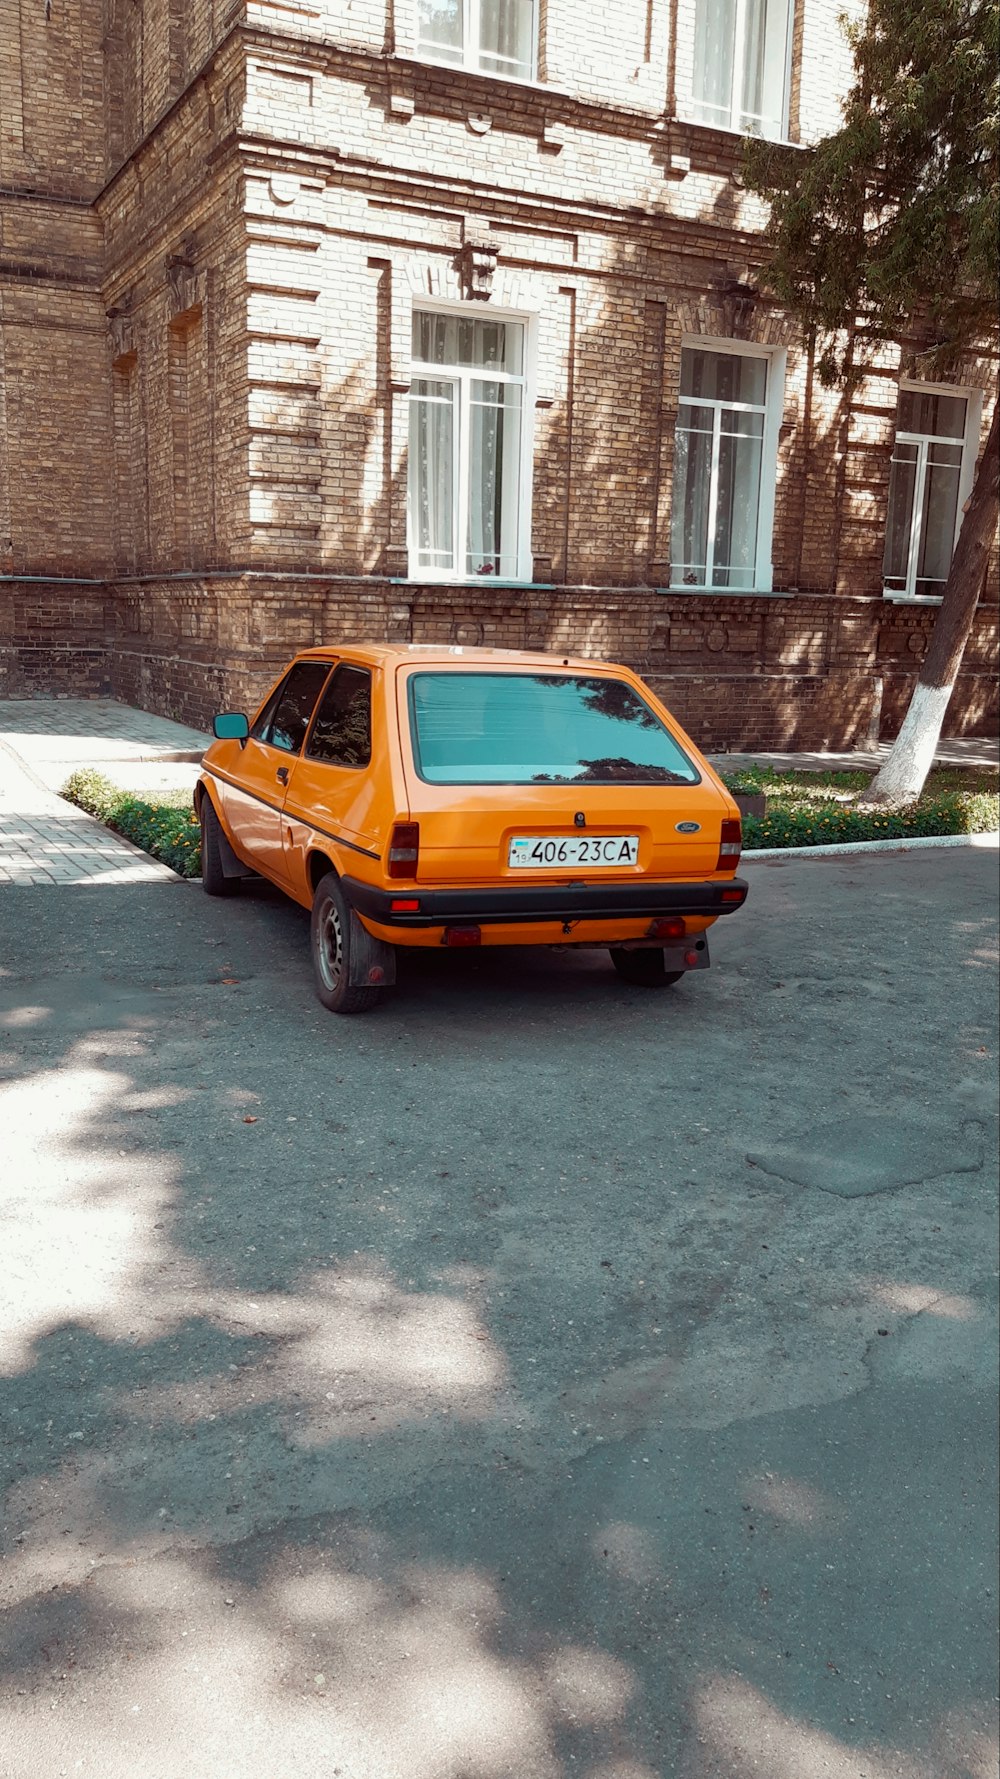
column 215, row 220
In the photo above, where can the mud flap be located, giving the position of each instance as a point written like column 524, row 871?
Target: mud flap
column 231, row 865
column 693, row 955
column 373, row 962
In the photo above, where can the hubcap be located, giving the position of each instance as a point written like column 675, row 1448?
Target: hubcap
column 330, row 947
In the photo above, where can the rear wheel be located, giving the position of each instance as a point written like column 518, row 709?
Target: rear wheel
column 331, row 951
column 213, row 878
column 645, row 968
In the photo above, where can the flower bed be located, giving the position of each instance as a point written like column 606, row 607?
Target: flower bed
column 826, row 809
column 166, row 827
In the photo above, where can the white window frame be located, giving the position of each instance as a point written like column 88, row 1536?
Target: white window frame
column 471, row 40
column 736, row 110
column 773, row 408
column 465, row 375
column 973, row 399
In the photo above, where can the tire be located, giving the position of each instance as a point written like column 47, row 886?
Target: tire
column 213, row 878
column 644, row 969
column 330, row 938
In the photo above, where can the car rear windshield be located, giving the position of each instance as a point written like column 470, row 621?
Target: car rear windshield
column 534, row 728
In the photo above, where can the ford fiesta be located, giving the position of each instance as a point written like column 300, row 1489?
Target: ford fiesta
column 466, row 797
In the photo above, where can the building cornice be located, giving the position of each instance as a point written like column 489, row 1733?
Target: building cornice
column 268, row 155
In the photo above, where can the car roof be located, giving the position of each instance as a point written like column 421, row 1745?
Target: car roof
column 449, row 654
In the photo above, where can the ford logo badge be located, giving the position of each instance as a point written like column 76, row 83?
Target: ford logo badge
column 688, row 827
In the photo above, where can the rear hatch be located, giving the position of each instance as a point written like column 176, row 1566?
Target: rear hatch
column 521, row 775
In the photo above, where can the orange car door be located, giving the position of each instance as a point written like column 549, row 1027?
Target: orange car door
column 255, row 796
column 332, row 786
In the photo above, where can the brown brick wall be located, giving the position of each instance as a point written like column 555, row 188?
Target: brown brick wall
column 204, row 356
column 55, row 637
column 777, row 673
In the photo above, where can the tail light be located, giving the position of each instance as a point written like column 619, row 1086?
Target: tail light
column 672, row 927
column 730, row 846
column 404, row 850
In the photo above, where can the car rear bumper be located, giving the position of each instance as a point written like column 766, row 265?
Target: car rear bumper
column 531, row 903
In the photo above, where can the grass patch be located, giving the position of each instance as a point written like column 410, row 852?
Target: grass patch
column 826, row 808
column 166, row 826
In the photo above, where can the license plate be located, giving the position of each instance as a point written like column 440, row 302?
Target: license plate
column 548, row 852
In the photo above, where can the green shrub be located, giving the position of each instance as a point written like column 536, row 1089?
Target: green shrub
column 748, row 781
column 167, row 828
column 805, row 820
column 93, row 792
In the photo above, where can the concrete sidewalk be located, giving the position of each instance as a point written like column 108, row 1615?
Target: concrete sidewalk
column 46, row 840
column 55, row 737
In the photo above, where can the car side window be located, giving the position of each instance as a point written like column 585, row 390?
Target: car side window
column 342, row 732
column 261, row 724
column 294, row 706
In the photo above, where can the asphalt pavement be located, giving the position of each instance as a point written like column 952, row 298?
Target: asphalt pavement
column 536, row 1378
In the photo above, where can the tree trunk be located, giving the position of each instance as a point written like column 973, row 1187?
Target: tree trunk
column 901, row 779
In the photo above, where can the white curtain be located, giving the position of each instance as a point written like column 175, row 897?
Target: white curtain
column 692, row 492
column 465, row 444
column 485, row 478
column 506, row 37
column 432, row 473
column 494, row 465
column 748, row 96
column 902, row 490
column 737, row 499
column 714, row 39
column 717, row 469
column 937, row 541
column 762, row 99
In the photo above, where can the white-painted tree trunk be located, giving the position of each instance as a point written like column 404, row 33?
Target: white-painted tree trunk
column 901, row 779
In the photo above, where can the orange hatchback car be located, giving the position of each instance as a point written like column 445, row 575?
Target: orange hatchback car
column 449, row 796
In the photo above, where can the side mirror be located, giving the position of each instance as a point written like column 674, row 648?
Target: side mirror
column 230, row 725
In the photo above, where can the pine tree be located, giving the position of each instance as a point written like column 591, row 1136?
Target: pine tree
column 888, row 230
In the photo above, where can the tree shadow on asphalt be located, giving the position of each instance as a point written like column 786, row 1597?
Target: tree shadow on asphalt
column 356, row 1404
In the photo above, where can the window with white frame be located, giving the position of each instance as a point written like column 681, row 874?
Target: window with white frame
column 740, row 79
column 724, row 470
column 928, row 481
column 490, row 36
column 468, row 498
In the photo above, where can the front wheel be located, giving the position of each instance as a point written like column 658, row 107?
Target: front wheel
column 213, row 877
column 331, row 951
column 645, row 968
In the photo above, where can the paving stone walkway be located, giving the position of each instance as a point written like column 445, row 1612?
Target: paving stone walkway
column 45, row 840
column 57, row 736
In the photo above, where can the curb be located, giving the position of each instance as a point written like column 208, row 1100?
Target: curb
column 140, row 852
column 989, row 842
column 191, row 756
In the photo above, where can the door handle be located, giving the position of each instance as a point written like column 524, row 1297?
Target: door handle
column 282, row 775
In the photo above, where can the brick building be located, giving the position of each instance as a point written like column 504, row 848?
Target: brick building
column 437, row 319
